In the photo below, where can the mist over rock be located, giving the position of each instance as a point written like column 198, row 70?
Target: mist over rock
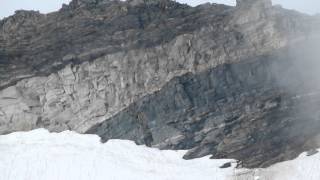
column 234, row 82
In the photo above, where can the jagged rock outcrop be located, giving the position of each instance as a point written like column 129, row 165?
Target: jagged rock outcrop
column 166, row 75
column 228, row 112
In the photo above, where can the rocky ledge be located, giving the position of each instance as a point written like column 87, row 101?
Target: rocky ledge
column 234, row 82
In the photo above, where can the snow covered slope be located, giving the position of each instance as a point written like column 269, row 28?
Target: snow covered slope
column 40, row 155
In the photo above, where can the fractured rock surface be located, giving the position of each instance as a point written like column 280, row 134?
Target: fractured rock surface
column 227, row 112
column 215, row 79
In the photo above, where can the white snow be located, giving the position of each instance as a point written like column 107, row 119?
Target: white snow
column 40, row 155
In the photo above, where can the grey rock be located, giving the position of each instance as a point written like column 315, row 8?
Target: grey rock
column 228, row 112
column 312, row 152
column 226, row 165
column 162, row 74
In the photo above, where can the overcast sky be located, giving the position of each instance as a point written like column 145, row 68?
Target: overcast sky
column 7, row 7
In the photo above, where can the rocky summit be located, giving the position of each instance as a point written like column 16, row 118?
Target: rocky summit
column 232, row 82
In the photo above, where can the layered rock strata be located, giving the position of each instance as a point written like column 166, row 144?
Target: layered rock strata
column 215, row 79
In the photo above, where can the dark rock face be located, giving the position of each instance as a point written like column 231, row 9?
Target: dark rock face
column 227, row 112
column 33, row 44
column 232, row 82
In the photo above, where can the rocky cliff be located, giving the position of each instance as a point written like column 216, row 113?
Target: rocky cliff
column 237, row 82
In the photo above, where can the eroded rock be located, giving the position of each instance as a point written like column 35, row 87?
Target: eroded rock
column 162, row 74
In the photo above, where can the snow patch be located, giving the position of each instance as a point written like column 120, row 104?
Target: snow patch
column 40, row 155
